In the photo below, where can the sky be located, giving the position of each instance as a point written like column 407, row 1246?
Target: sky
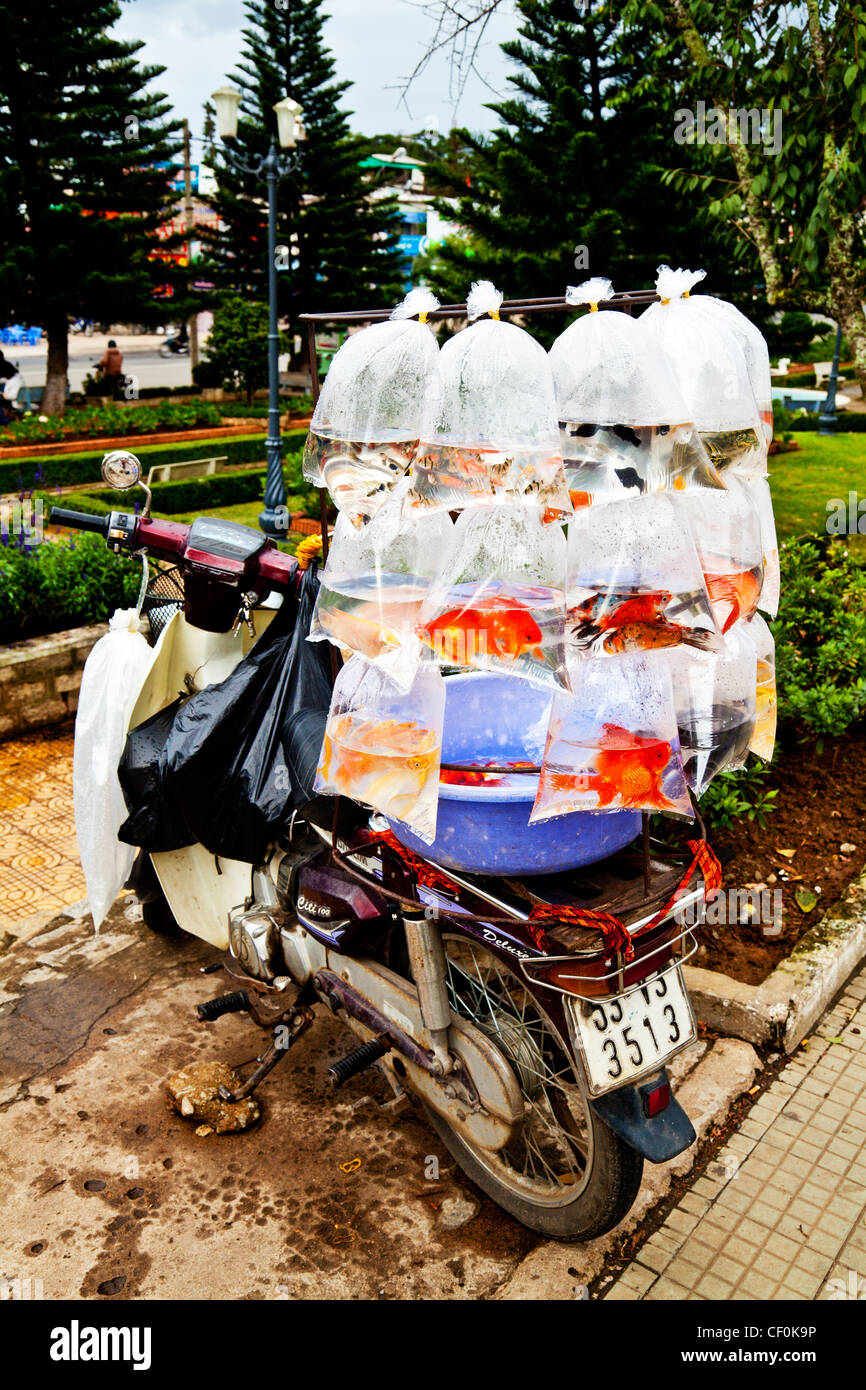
column 376, row 43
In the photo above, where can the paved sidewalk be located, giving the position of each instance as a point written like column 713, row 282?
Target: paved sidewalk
column 39, row 866
column 781, row 1212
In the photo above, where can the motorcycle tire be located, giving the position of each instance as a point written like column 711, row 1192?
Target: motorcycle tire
column 497, row 1002
column 164, row 351
column 155, row 911
column 159, row 918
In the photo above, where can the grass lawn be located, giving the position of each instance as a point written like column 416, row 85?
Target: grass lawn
column 803, row 482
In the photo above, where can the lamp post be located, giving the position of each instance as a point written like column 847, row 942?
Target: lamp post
column 827, row 418
column 271, row 167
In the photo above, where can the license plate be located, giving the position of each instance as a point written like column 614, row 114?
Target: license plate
column 631, row 1034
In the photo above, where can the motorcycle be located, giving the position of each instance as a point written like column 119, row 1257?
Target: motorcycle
column 174, row 346
column 531, row 1020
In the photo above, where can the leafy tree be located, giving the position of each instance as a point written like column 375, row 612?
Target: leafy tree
column 80, row 197
column 791, row 220
column 342, row 243
column 797, row 204
column 569, row 183
column 235, row 348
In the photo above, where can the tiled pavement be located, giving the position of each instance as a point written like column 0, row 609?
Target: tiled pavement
column 781, row 1212
column 39, row 865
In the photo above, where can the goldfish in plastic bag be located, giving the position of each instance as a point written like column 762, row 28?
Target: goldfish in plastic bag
column 632, row 622
column 390, row 765
column 498, row 625
column 620, row 770
column 734, row 596
column 613, row 744
column 450, row 477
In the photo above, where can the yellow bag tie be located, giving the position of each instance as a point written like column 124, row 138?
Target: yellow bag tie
column 686, row 294
column 494, row 314
column 422, row 317
column 308, row 549
column 593, row 308
column 666, row 301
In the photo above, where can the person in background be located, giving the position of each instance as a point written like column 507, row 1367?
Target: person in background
column 11, row 382
column 110, row 366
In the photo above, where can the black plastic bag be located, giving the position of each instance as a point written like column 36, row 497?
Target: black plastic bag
column 232, row 769
column 153, row 823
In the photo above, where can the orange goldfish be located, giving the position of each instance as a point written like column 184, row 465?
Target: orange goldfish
column 569, row 783
column 508, row 629
column 740, row 591
column 643, row 608
column 633, row 765
column 653, row 636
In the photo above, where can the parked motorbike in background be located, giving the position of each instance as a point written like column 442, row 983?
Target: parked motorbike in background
column 175, row 345
column 536, row 1048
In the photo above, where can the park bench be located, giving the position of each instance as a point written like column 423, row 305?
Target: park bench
column 188, row 468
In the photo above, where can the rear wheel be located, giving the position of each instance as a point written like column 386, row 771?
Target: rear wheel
column 565, row 1174
column 155, row 911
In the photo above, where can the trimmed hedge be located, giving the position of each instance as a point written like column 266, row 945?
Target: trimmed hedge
column 68, row 469
column 187, row 494
column 846, row 423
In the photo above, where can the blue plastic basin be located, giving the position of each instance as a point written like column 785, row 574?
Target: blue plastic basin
column 485, row 829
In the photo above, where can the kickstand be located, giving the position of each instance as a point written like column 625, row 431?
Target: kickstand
column 285, row 1034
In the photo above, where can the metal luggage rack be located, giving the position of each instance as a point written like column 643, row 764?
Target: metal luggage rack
column 623, row 302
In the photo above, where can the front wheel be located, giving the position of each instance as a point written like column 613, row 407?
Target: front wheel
column 565, row 1174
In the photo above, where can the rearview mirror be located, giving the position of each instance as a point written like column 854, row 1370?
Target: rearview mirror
column 121, row 470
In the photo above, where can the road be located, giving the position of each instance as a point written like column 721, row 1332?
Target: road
column 141, row 360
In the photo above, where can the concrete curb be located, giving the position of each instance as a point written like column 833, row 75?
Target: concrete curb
column 782, row 1010
column 557, row 1270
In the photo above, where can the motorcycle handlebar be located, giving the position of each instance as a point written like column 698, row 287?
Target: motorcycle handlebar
column 81, row 521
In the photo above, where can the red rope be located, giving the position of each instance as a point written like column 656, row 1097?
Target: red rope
column 615, row 934
column 427, row 874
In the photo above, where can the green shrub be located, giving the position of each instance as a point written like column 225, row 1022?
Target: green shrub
column 54, row 585
column 846, row 422
column 739, row 795
column 792, row 335
column 821, row 636
column 236, row 353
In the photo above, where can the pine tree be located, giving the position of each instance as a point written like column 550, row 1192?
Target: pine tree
column 570, row 182
column 342, row 243
column 80, row 197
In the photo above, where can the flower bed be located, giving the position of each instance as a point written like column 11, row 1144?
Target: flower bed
column 109, row 418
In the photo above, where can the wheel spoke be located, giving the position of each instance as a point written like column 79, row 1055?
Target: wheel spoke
column 554, row 1139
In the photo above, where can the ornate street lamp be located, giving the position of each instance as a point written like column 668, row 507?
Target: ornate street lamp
column 272, row 167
